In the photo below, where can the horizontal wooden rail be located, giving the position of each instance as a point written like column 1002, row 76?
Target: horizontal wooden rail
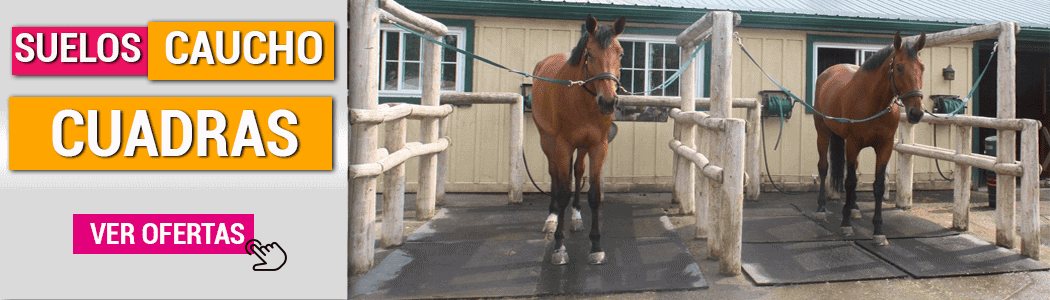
column 701, row 29
column 698, row 118
column 410, row 150
column 668, row 101
column 710, row 171
column 386, row 16
column 974, row 160
column 387, row 113
column 433, row 27
column 480, row 98
column 975, row 121
column 968, row 34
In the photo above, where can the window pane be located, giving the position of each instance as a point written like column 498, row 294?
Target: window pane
column 656, row 78
column 449, row 55
column 672, row 88
column 656, row 56
column 639, row 82
column 412, row 47
column 392, row 45
column 626, row 79
column 411, row 76
column 448, row 77
column 391, row 76
column 639, row 56
column 628, row 53
column 827, row 57
column 671, row 51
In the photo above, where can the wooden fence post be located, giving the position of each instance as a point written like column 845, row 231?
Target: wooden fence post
column 517, row 143
column 394, row 187
column 685, row 180
column 442, row 163
column 733, row 185
column 1030, row 190
column 703, row 196
column 753, row 187
column 905, row 168
column 1006, row 223
column 363, row 94
column 961, row 215
column 426, row 195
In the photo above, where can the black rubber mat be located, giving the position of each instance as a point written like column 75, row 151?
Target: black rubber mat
column 499, row 251
column 957, row 255
column 896, row 223
column 513, row 222
column 784, row 229
column 812, row 262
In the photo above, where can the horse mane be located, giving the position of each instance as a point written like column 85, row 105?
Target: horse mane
column 876, row 60
column 604, row 34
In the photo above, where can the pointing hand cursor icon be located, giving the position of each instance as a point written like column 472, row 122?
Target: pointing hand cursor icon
column 272, row 255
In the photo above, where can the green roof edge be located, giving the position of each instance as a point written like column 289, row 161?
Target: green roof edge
column 686, row 16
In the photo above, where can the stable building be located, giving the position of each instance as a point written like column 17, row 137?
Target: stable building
column 793, row 42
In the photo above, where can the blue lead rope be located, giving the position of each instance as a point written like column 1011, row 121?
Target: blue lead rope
column 796, row 99
column 667, row 82
column 974, row 87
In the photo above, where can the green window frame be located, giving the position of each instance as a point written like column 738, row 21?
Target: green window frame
column 465, row 65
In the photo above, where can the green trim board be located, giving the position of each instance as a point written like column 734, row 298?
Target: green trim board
column 812, row 39
column 685, row 16
column 468, row 64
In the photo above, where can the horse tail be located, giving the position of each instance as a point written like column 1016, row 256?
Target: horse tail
column 837, row 156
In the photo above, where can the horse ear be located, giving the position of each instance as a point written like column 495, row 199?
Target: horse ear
column 591, row 25
column 620, row 25
column 921, row 43
column 897, row 41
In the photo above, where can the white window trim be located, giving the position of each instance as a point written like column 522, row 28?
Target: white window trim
column 852, row 46
column 698, row 62
column 461, row 42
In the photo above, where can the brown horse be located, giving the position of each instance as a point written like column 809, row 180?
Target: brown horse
column 859, row 92
column 577, row 119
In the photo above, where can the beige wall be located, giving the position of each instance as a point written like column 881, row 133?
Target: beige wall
column 639, row 158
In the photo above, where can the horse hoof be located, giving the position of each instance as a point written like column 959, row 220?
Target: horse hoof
column 551, row 224
column 880, row 240
column 821, row 216
column 560, row 257
column 577, row 221
column 854, row 213
column 847, row 231
column 597, row 258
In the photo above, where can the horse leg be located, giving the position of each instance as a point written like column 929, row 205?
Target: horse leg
column 882, row 156
column 852, row 150
column 577, row 220
column 561, row 179
column 822, row 167
column 837, row 156
column 547, row 143
column 594, row 200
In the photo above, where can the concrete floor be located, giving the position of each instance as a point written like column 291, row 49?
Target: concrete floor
column 934, row 206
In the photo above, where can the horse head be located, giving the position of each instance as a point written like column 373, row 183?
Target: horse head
column 601, row 53
column 906, row 75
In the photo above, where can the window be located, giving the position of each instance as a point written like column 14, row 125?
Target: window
column 401, row 59
column 649, row 60
column 826, row 51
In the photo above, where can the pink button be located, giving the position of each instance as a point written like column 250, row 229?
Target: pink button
column 162, row 233
column 76, row 51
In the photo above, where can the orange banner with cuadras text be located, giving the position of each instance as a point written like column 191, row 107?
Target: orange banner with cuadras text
column 170, row 133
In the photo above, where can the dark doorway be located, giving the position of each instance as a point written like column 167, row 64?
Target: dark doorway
column 1033, row 89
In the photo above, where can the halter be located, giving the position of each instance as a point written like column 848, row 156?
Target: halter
column 893, row 85
column 600, row 76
